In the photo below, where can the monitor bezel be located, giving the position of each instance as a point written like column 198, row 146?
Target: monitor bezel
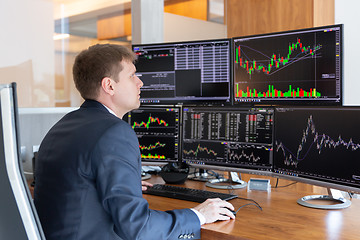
column 293, row 102
column 230, row 169
column 319, row 183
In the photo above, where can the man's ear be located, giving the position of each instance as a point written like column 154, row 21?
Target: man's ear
column 106, row 85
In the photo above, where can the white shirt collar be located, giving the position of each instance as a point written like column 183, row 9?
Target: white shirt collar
column 110, row 111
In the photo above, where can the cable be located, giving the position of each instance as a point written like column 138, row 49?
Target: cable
column 231, row 189
column 277, row 181
column 286, row 185
column 215, row 174
column 210, row 172
column 193, row 172
column 247, row 205
column 246, row 199
column 351, row 195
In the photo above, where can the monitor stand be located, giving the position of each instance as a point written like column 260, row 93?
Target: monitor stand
column 233, row 182
column 334, row 196
column 202, row 175
column 145, row 176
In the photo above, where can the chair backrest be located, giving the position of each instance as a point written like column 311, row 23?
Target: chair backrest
column 18, row 217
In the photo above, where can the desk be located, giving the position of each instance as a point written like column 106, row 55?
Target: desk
column 281, row 218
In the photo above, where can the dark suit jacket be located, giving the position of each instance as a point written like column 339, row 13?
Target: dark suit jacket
column 88, row 183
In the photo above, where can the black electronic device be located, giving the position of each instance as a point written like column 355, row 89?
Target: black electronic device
column 228, row 138
column 189, row 194
column 175, row 173
column 232, row 211
column 33, row 160
column 158, row 132
column 319, row 146
column 302, row 67
column 185, row 72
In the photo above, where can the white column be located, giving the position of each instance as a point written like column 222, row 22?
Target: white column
column 147, row 18
column 346, row 12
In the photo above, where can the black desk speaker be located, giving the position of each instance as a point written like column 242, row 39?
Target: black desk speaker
column 175, row 173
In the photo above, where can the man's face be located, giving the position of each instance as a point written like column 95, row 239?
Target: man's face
column 127, row 89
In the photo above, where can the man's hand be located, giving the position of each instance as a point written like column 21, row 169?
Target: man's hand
column 215, row 209
column 145, row 185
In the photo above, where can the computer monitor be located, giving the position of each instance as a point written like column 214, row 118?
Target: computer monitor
column 302, row 67
column 185, row 72
column 158, row 131
column 318, row 146
column 228, row 139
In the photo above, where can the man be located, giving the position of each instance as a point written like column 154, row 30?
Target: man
column 88, row 172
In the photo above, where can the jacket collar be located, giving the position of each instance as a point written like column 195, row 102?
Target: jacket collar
column 93, row 104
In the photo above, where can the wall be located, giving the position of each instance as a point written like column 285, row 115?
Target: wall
column 195, row 8
column 347, row 13
column 88, row 7
column 249, row 17
column 65, row 53
column 179, row 28
column 34, row 123
column 26, row 35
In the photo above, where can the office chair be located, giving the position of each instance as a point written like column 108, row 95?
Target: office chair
column 18, row 217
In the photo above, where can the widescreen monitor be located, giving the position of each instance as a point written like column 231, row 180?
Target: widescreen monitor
column 185, row 72
column 300, row 67
column 229, row 139
column 158, row 132
column 319, row 146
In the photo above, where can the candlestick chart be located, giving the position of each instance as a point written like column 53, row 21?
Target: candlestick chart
column 318, row 143
column 157, row 129
column 161, row 122
column 158, row 148
column 289, row 66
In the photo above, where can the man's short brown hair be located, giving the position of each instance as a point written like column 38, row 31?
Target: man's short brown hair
column 97, row 62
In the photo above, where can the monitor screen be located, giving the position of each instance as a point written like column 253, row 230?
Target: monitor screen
column 295, row 67
column 185, row 72
column 228, row 138
column 318, row 145
column 157, row 129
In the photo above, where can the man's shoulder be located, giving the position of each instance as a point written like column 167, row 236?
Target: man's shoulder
column 93, row 115
column 88, row 123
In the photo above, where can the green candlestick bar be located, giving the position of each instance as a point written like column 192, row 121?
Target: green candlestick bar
column 149, row 156
column 275, row 61
column 272, row 92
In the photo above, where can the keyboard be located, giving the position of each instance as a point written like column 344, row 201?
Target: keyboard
column 189, row 194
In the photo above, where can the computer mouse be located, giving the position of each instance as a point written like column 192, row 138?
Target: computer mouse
column 233, row 212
